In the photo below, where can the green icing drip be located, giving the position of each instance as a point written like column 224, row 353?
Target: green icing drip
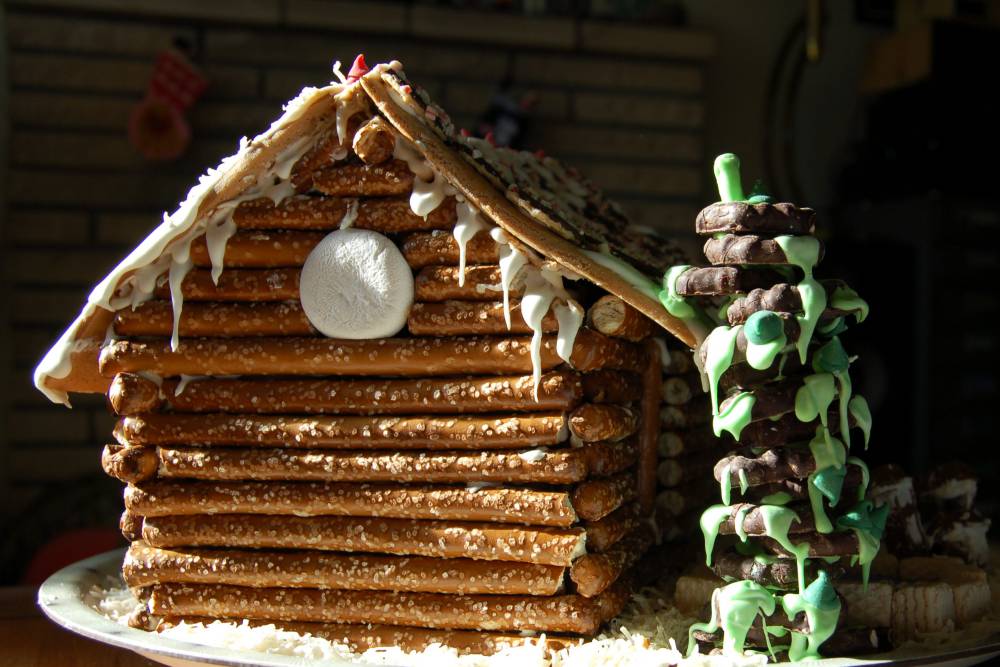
column 827, row 450
column 726, row 485
column 844, row 380
column 832, row 358
column 821, row 607
column 777, row 521
column 758, row 195
column 803, row 252
column 825, row 483
column 763, row 327
column 720, row 346
column 858, row 407
column 727, row 177
column 865, row 475
column 844, row 298
column 734, row 609
column 868, row 526
column 741, row 514
column 777, row 498
column 710, row 521
column 833, row 327
column 736, row 415
column 820, row 519
column 814, row 397
column 762, row 356
column 744, row 482
column 675, row 304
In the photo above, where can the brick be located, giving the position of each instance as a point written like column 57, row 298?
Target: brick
column 283, row 84
column 638, row 110
column 592, row 72
column 43, row 425
column 674, row 219
column 239, row 11
column 233, row 119
column 378, row 17
column 473, row 98
column 133, row 189
column 682, row 43
column 33, row 306
column 562, row 139
column 269, row 47
column 54, row 464
column 51, row 149
column 492, row 27
column 33, row 31
column 62, row 266
column 47, row 227
column 644, row 179
column 125, row 229
column 70, row 111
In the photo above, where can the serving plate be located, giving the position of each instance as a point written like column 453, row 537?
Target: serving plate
column 63, row 598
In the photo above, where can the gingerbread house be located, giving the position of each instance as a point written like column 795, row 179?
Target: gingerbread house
column 389, row 384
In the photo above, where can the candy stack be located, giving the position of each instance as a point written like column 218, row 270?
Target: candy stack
column 793, row 516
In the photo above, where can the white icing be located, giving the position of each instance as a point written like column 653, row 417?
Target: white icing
column 541, row 289
column 217, row 235
column 414, row 160
column 468, row 223
column 511, row 263
column 569, row 315
column 355, row 284
column 533, row 455
column 185, row 381
column 350, row 215
column 180, row 264
column 428, row 195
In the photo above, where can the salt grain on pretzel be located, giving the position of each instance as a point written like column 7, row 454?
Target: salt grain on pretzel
column 613, row 317
column 593, row 422
column 386, row 215
column 156, row 318
column 482, row 283
column 361, row 180
column 374, row 141
column 237, row 285
column 595, row 499
column 260, row 249
column 464, row 318
column 441, row 249
column 594, row 573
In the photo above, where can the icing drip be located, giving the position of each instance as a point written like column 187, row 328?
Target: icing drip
column 404, row 151
column 736, row 415
column 569, row 315
column 469, row 222
column 710, row 521
column 814, row 397
column 777, row 521
column 350, row 215
column 821, row 607
column 511, row 263
column 427, row 195
column 184, row 382
column 720, row 345
column 845, row 298
column 803, row 252
column 734, row 609
column 217, row 235
column 541, row 289
column 180, row 265
column 726, row 484
column 858, row 407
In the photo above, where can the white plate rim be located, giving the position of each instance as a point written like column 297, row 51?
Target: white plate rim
column 61, row 599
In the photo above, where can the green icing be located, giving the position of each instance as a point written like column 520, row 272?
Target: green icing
column 865, row 475
column 826, row 483
column 736, row 416
column 758, row 195
column 720, row 346
column 821, row 606
column 777, row 521
column 858, row 407
column 777, row 498
column 726, row 485
column 763, row 327
column 744, row 482
column 831, row 357
column 827, row 450
column 675, row 304
column 762, row 356
column 868, row 526
column 833, row 327
column 803, row 252
column 734, row 609
column 710, row 521
column 727, row 177
column 844, row 298
column 741, row 514
column 814, row 397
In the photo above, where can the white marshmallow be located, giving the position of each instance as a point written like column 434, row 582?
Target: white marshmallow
column 355, row 284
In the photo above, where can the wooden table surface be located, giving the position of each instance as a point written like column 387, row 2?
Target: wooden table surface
column 28, row 639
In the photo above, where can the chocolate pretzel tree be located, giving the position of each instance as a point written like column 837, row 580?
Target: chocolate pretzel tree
column 793, row 517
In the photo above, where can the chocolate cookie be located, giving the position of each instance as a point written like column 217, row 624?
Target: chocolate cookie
column 738, row 217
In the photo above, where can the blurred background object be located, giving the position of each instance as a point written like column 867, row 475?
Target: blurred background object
column 874, row 112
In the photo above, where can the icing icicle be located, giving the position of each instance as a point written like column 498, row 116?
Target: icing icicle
column 469, row 223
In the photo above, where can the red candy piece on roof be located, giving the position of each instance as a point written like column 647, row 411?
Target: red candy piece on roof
column 490, row 139
column 358, row 69
column 540, row 154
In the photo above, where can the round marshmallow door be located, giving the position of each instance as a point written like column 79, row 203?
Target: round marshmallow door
column 356, row 284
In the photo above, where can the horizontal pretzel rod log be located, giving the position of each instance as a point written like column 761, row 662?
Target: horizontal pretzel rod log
column 440, row 283
column 387, row 215
column 563, row 466
column 689, row 416
column 477, row 318
column 613, row 317
column 237, row 285
column 130, row 526
column 441, row 249
column 557, row 390
column 206, row 319
column 595, row 499
column 437, row 539
column 606, row 532
column 681, row 389
column 360, row 638
column 672, row 444
column 558, row 613
column 594, row 573
column 499, row 504
column 322, row 432
column 674, row 472
column 329, row 149
column 361, row 180
column 374, row 142
column 754, row 523
column 260, row 249
column 145, row 566
column 679, row 362
column 593, row 422
column 399, row 357
column 606, row 386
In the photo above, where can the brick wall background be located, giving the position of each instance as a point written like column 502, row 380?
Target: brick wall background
column 622, row 102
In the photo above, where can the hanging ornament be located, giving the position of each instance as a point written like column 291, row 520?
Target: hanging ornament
column 157, row 126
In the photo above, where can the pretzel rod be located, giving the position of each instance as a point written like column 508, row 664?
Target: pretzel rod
column 607, row 386
column 679, row 362
column 649, row 428
column 437, row 539
column 770, row 466
column 684, row 499
column 680, row 389
column 613, row 317
column 398, row 357
column 374, row 142
column 503, row 505
column 770, row 400
column 156, row 318
column 462, row 318
column 330, row 149
column 237, row 285
column 594, row 573
column 557, row 390
column 145, row 566
column 260, row 249
column 440, row 283
column 130, row 525
column 362, row 180
column 754, row 521
column 689, row 416
column 672, row 444
column 593, row 422
column 129, row 464
column 673, row 472
column 595, row 499
column 386, row 215
column 399, row 433
column 565, row 466
column 605, row 533
column 558, row 613
column 441, row 249
column 609, row 458
column 360, row 638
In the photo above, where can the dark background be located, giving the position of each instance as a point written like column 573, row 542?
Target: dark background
column 886, row 124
